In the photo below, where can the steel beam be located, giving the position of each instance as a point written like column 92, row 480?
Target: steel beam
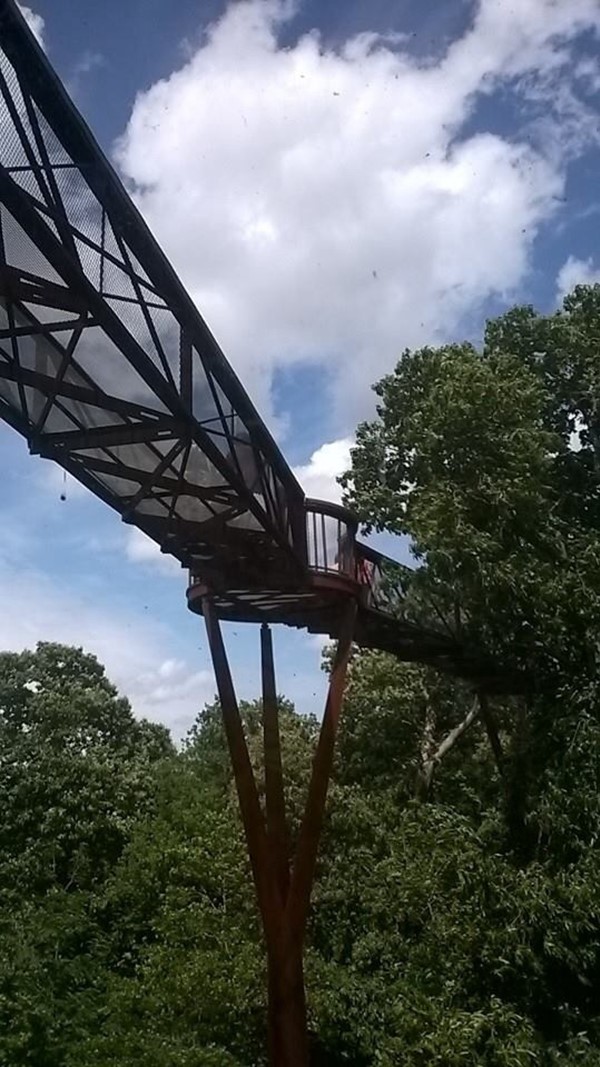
column 109, row 436
column 252, row 816
column 275, row 801
column 310, row 832
column 283, row 903
column 39, row 81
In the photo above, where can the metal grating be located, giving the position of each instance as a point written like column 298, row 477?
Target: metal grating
column 106, row 365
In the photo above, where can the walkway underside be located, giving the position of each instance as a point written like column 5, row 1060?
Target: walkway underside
column 321, row 607
column 107, row 368
column 106, row 365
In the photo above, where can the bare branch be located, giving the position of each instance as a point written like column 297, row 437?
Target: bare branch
column 430, row 761
column 457, row 732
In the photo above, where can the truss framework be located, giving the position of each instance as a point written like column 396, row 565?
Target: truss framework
column 106, row 365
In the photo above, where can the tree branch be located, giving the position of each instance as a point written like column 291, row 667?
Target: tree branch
column 430, row 762
column 457, row 732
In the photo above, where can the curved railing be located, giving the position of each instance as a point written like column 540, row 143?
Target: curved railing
column 333, row 552
column 330, row 539
column 332, row 549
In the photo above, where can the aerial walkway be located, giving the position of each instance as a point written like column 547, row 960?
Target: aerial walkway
column 108, row 368
column 338, row 568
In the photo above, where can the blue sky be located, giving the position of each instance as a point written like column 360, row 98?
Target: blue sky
column 333, row 182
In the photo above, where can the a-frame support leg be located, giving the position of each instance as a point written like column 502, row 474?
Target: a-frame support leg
column 283, row 896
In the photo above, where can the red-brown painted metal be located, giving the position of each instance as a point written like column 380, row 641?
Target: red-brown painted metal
column 267, row 890
column 283, row 901
column 310, row 831
column 107, row 367
column 277, row 830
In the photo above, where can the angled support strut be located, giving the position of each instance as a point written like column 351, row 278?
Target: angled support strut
column 283, row 883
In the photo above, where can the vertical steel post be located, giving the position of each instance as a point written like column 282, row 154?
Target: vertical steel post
column 277, row 832
column 252, row 817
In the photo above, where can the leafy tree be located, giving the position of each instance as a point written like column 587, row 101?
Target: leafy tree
column 427, row 943
column 206, row 746
column 185, row 972
column 470, row 454
column 76, row 773
column 404, row 724
column 461, row 931
column 429, row 947
column 75, row 769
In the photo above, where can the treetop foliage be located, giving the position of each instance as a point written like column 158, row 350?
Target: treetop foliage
column 456, row 913
column 489, row 460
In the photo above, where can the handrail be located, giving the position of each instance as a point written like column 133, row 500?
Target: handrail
column 330, row 539
column 380, row 583
column 333, row 549
column 383, row 581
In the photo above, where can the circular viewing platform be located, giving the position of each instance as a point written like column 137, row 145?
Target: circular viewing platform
column 336, row 568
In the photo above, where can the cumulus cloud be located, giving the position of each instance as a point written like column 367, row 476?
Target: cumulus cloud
column 576, row 272
column 35, row 22
column 174, row 686
column 140, row 549
column 327, row 205
column 44, row 609
column 87, row 63
column 319, row 476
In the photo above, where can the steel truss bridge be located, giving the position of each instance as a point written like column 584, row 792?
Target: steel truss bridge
column 108, row 368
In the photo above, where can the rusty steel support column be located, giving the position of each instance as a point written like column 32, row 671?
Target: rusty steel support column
column 287, row 1021
column 252, row 817
column 277, row 831
column 303, row 872
column 283, row 902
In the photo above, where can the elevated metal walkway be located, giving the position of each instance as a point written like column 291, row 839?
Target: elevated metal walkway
column 107, row 367
column 339, row 568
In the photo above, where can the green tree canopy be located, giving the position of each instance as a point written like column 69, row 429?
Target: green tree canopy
column 77, row 771
column 74, row 765
column 456, row 913
column 489, row 462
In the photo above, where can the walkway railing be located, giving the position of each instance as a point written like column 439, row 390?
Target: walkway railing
column 380, row 583
column 330, row 539
column 333, row 549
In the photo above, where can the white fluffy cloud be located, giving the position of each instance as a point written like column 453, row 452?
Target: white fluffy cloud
column 140, row 549
column 324, row 205
column 576, row 272
column 319, row 476
column 35, row 22
column 43, row 609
